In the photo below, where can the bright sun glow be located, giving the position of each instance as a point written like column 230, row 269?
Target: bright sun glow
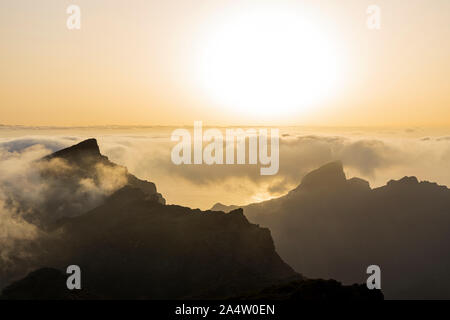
column 268, row 64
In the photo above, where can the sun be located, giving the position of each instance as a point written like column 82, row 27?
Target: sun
column 268, row 63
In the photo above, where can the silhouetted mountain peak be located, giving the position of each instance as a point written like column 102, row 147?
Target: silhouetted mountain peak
column 331, row 174
column 83, row 163
column 86, row 149
column 89, row 144
column 330, row 227
column 404, row 181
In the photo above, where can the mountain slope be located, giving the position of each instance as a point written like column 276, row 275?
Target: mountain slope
column 130, row 245
column 86, row 158
column 136, row 248
column 133, row 246
column 77, row 179
column 333, row 227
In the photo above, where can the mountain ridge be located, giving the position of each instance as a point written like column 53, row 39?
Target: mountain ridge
column 133, row 246
column 397, row 226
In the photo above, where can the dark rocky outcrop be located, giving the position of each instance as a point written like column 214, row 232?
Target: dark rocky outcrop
column 85, row 157
column 78, row 179
column 135, row 248
column 85, row 151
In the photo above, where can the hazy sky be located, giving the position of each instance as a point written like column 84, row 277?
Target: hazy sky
column 172, row 62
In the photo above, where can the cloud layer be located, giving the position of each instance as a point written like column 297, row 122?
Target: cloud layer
column 374, row 157
column 31, row 193
column 34, row 194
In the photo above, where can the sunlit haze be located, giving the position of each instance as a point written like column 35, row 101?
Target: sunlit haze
column 224, row 62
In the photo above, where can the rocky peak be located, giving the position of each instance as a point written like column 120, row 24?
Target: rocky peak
column 331, row 174
column 86, row 149
column 404, row 181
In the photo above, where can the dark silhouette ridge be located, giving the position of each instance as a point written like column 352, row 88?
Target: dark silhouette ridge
column 330, row 175
column 404, row 181
column 83, row 149
column 316, row 290
column 43, row 284
column 133, row 246
column 333, row 227
column 69, row 183
column 36, row 286
column 86, row 163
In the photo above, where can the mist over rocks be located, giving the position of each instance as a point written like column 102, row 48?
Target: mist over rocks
column 375, row 155
column 130, row 244
column 70, row 182
column 327, row 227
column 37, row 190
column 133, row 246
column 333, row 227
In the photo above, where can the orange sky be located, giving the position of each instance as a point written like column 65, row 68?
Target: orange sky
column 136, row 63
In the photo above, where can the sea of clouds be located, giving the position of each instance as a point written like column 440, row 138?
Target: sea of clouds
column 24, row 192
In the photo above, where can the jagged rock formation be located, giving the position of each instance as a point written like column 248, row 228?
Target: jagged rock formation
column 77, row 179
column 333, row 227
column 131, row 245
column 85, row 151
column 134, row 246
column 86, row 157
